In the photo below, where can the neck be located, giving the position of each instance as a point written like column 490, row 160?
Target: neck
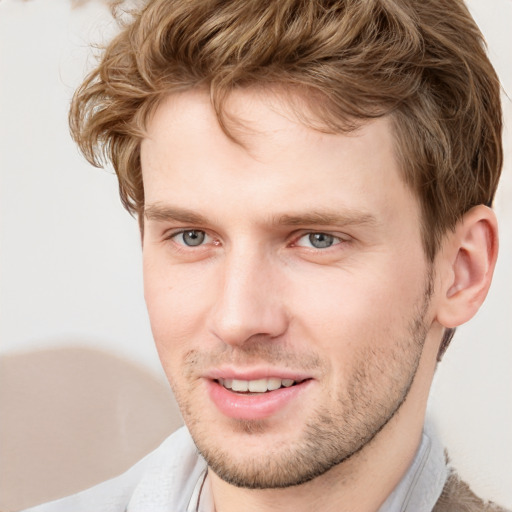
column 359, row 484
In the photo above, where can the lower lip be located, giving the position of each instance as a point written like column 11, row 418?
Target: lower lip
column 253, row 407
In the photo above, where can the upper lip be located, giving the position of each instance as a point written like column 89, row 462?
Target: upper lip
column 255, row 374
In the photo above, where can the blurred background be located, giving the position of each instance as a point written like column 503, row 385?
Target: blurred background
column 82, row 394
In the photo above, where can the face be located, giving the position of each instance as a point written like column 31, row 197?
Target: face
column 286, row 284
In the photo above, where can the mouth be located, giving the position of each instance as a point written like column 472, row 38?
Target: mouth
column 256, row 399
column 257, row 386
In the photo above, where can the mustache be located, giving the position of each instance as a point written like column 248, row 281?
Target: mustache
column 251, row 353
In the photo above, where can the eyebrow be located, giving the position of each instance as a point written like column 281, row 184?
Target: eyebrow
column 165, row 213
column 327, row 218
column 158, row 212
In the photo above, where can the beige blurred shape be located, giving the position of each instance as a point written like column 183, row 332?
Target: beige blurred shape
column 73, row 417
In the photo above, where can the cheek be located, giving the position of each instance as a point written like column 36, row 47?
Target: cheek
column 176, row 302
column 350, row 308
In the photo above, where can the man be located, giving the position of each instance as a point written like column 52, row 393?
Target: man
column 312, row 181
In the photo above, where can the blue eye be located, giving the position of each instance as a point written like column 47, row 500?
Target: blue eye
column 190, row 238
column 318, row 240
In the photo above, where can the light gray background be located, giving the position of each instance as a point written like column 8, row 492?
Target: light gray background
column 70, row 256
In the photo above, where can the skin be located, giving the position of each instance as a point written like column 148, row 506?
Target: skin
column 358, row 318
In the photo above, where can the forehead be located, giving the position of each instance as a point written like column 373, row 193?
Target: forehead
column 249, row 114
column 273, row 159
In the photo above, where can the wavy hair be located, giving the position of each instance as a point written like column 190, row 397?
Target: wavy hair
column 421, row 62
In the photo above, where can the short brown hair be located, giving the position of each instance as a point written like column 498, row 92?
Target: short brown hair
column 423, row 62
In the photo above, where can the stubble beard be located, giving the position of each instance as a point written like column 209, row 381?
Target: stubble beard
column 379, row 384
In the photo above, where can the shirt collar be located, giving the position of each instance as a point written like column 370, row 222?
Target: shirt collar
column 421, row 486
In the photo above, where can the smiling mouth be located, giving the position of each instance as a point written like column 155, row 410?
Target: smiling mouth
column 257, row 386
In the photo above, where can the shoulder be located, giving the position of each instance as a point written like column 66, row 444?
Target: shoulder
column 458, row 497
column 168, row 473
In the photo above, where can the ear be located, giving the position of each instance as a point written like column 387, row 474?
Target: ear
column 467, row 261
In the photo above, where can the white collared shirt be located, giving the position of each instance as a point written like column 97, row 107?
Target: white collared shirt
column 174, row 478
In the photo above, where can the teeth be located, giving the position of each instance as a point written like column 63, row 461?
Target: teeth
column 273, row 384
column 240, row 385
column 256, row 386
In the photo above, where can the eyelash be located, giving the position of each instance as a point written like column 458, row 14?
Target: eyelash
column 337, row 240
column 182, row 246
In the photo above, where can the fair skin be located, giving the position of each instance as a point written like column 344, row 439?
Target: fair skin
column 293, row 260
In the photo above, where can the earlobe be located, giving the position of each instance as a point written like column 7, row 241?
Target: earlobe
column 469, row 257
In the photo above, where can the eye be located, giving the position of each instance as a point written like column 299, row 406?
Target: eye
column 318, row 240
column 191, row 237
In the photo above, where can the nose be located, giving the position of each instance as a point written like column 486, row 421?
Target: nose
column 249, row 303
